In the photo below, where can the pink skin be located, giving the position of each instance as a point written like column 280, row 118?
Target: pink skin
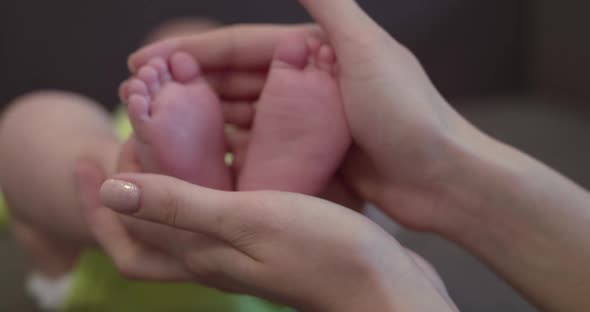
column 300, row 134
column 177, row 122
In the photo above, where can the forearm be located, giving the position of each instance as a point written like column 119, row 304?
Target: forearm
column 527, row 222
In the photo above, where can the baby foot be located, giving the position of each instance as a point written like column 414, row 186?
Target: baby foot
column 300, row 134
column 177, row 122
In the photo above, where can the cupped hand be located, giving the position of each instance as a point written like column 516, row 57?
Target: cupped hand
column 404, row 130
column 294, row 249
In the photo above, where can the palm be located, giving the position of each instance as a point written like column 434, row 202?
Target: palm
column 395, row 116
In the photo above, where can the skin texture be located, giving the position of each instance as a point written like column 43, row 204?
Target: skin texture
column 247, row 244
column 177, row 122
column 424, row 165
column 299, row 135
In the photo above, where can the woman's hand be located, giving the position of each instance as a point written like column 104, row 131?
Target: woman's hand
column 403, row 129
column 297, row 250
column 234, row 58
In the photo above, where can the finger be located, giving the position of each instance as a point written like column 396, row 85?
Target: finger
column 131, row 258
column 128, row 160
column 428, row 269
column 158, row 236
column 432, row 275
column 336, row 16
column 181, row 27
column 237, row 47
column 166, row 200
column 218, row 264
column 364, row 43
column 239, row 113
column 240, row 85
column 211, row 262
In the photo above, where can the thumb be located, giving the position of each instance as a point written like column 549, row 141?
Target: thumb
column 169, row 201
column 339, row 17
column 347, row 26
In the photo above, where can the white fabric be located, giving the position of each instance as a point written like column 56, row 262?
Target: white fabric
column 50, row 294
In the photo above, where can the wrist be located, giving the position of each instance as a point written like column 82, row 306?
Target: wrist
column 520, row 217
column 487, row 182
column 481, row 175
column 387, row 278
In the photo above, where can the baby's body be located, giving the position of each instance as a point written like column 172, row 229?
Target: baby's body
column 299, row 135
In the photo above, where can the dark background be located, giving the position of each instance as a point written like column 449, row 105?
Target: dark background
column 469, row 47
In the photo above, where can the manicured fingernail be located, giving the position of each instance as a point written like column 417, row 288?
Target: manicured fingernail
column 120, row 195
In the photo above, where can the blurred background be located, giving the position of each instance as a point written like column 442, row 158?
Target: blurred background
column 516, row 68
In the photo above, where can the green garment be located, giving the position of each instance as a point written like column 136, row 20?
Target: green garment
column 98, row 287
column 3, row 213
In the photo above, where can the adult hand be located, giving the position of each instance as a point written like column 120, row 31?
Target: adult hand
column 402, row 127
column 234, row 58
column 294, row 249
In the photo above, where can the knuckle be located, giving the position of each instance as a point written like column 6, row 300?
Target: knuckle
column 259, row 219
column 170, row 208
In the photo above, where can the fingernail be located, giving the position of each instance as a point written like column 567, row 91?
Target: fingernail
column 120, row 195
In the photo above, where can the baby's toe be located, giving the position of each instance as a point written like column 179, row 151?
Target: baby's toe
column 184, row 67
column 162, row 68
column 150, row 77
column 292, row 52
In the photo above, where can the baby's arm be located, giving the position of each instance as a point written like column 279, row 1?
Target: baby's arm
column 42, row 138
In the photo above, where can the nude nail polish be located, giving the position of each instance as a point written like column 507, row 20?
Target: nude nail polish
column 120, row 196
